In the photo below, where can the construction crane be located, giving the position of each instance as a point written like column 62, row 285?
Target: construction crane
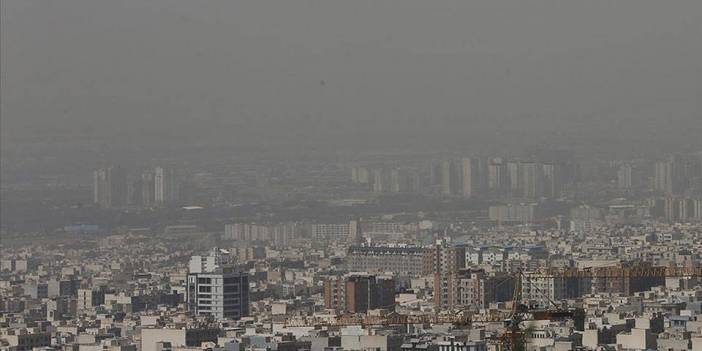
column 514, row 337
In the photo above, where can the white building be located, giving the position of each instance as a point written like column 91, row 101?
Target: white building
column 215, row 288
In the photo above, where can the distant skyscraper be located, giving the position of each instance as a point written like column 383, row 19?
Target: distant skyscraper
column 380, row 181
column 359, row 175
column 450, row 177
column 686, row 170
column 148, row 189
column 514, row 176
column 531, row 179
column 513, row 213
column 398, row 181
column 663, row 177
column 624, row 177
column 497, row 176
column 100, row 188
column 552, row 180
column 110, row 187
column 471, row 177
column 165, row 185
column 676, row 174
column 445, row 177
column 435, row 173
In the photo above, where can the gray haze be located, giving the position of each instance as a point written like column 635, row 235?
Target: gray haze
column 224, row 71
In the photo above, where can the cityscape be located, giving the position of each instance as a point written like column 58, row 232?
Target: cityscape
column 439, row 253
column 318, row 175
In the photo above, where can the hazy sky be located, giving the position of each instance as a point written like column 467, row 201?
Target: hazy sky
column 231, row 69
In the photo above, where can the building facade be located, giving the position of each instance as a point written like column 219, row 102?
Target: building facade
column 215, row 288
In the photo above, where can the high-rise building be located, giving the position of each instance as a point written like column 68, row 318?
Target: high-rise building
column 676, row 174
column 339, row 232
column 400, row 180
column 165, row 186
column 380, row 180
column 435, row 173
column 625, row 177
column 552, row 180
column 90, row 298
column 369, row 292
column 215, row 288
column 448, row 258
column 360, row 175
column 531, row 177
column 148, row 189
column 450, row 177
column 472, row 179
column 680, row 209
column 541, row 290
column 513, row 213
column 663, row 177
column 497, row 176
column 142, row 189
column 445, row 177
column 278, row 235
column 404, row 180
column 110, row 187
column 513, row 177
column 101, row 189
column 335, row 293
column 405, row 260
column 697, row 210
column 626, row 284
column 359, row 293
column 471, row 289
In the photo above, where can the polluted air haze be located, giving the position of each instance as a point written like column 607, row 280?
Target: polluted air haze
column 351, row 73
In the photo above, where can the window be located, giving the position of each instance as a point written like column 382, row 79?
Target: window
column 205, row 289
column 231, row 281
column 204, row 280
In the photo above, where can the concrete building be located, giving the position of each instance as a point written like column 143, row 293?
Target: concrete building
column 335, row 293
column 337, row 232
column 513, row 213
column 552, row 180
column 472, row 178
column 625, row 177
column 159, row 339
column 110, row 187
column 471, row 289
column 89, row 298
column 404, row 260
column 531, row 179
column 26, row 339
column 216, row 289
column 359, row 293
column 165, row 186
column 637, row 339
column 497, row 178
column 369, row 292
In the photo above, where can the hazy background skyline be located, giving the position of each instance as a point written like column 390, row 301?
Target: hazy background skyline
column 411, row 73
